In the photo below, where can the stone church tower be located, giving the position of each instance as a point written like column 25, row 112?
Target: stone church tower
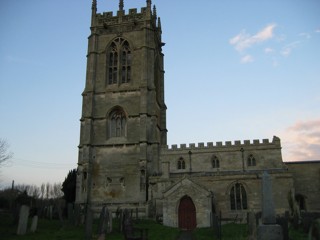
column 123, row 121
column 124, row 160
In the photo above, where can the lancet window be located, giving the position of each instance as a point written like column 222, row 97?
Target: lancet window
column 119, row 62
column 117, row 123
column 181, row 164
column 215, row 162
column 251, row 160
column 238, row 197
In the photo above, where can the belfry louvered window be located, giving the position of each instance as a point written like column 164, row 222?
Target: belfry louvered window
column 119, row 62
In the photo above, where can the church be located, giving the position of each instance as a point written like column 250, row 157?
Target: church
column 124, row 160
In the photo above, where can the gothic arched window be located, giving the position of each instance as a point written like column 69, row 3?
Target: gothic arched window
column 238, row 197
column 181, row 163
column 119, row 62
column 117, row 123
column 215, row 162
column 251, row 160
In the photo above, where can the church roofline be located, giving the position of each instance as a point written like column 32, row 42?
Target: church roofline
column 303, row 162
column 181, row 183
column 192, row 146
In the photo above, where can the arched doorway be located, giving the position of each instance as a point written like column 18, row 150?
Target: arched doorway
column 187, row 214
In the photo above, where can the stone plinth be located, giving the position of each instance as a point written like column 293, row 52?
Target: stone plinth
column 270, row 232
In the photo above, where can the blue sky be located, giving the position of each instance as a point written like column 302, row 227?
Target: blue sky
column 235, row 70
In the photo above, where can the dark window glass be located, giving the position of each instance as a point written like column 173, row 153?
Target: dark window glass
column 238, row 197
column 119, row 63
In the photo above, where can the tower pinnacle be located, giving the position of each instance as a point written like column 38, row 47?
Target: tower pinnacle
column 94, row 12
column 94, row 5
column 121, row 5
column 149, row 4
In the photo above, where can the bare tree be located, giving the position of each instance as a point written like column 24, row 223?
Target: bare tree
column 5, row 155
column 48, row 187
column 57, row 193
column 43, row 190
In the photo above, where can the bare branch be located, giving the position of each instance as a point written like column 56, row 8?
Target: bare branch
column 5, row 156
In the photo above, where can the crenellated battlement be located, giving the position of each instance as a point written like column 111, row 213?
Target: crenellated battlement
column 121, row 16
column 131, row 12
column 211, row 145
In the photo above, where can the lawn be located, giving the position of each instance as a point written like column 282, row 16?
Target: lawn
column 53, row 230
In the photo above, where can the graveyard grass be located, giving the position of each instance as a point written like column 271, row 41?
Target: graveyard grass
column 53, row 230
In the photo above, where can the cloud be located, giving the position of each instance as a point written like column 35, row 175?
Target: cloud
column 306, row 35
column 302, row 141
column 268, row 50
column 286, row 50
column 244, row 40
column 305, row 126
column 246, row 59
column 317, row 30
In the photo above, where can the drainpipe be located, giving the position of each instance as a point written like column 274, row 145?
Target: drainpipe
column 242, row 155
column 190, row 169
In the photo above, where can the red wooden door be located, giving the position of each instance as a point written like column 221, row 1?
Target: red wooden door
column 187, row 214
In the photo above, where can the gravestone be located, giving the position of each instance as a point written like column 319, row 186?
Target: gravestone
column 124, row 215
column 109, row 226
column 50, row 212
column 283, row 221
column 118, row 212
column 252, row 226
column 34, row 224
column 60, row 214
column 23, row 220
column 314, row 232
column 268, row 230
column 105, row 222
column 216, row 225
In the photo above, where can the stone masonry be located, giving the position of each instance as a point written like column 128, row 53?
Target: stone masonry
column 124, row 161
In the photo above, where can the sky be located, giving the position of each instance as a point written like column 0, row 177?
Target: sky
column 234, row 70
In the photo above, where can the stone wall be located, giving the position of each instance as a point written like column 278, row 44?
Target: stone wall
column 306, row 176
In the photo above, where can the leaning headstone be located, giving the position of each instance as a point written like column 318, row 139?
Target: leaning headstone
column 23, row 220
column 104, row 222
column 268, row 229
column 101, row 226
column 34, row 224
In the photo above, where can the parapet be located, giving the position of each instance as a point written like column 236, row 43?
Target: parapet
column 132, row 16
column 210, row 145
